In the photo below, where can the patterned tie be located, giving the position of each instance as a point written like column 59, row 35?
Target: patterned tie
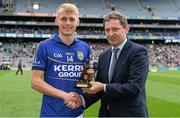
column 113, row 63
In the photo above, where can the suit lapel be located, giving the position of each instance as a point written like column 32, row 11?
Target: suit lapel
column 122, row 56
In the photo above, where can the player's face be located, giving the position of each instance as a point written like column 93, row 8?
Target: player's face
column 67, row 22
column 115, row 32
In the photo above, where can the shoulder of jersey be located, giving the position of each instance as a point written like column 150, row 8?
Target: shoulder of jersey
column 46, row 41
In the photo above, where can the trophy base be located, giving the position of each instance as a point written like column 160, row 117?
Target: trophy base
column 82, row 85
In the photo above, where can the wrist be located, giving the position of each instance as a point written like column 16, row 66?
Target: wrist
column 102, row 87
column 63, row 95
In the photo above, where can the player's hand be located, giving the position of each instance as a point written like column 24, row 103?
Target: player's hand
column 72, row 100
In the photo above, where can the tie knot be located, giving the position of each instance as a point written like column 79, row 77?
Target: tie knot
column 115, row 50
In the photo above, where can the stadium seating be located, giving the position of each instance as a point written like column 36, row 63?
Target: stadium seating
column 166, row 8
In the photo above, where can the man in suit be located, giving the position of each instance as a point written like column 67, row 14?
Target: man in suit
column 120, row 85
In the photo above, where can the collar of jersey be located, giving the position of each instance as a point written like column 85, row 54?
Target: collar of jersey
column 57, row 39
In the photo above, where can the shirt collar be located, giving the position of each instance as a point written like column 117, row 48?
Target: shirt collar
column 120, row 46
column 57, row 39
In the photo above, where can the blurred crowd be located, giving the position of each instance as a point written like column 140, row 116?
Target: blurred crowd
column 15, row 50
column 160, row 55
column 90, row 31
column 33, row 30
column 164, row 55
column 147, row 32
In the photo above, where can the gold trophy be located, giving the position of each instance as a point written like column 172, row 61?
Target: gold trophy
column 85, row 79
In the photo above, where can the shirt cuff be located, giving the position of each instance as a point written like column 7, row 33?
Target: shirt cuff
column 104, row 87
column 83, row 101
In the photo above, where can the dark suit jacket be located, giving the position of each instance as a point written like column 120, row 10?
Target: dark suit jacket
column 125, row 93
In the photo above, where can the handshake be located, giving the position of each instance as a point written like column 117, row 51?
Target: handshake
column 73, row 100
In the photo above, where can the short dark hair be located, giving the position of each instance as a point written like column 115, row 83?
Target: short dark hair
column 116, row 15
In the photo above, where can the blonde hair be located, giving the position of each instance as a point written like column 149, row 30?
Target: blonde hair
column 68, row 7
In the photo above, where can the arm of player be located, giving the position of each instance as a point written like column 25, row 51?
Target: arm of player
column 40, row 85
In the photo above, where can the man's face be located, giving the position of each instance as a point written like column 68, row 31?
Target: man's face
column 115, row 32
column 67, row 22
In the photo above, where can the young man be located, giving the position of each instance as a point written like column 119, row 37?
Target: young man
column 122, row 73
column 59, row 61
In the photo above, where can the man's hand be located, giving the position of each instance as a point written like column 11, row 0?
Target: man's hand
column 72, row 100
column 95, row 88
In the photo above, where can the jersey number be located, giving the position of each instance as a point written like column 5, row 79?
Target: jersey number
column 69, row 58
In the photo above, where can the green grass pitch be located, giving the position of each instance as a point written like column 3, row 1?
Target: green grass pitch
column 17, row 99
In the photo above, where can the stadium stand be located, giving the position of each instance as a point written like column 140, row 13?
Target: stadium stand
column 155, row 26
column 168, row 8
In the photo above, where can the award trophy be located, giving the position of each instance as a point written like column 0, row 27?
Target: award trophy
column 84, row 82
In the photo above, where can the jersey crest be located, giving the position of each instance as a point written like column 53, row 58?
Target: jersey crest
column 80, row 55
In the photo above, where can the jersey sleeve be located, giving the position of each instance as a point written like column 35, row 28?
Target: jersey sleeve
column 88, row 54
column 40, row 58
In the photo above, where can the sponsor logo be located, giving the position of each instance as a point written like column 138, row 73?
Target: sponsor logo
column 67, row 67
column 69, row 74
column 68, row 70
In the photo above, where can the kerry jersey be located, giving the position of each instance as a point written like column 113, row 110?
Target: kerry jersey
column 62, row 66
